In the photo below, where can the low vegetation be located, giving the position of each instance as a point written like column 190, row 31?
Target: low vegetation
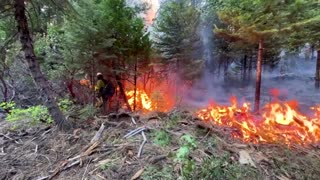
column 191, row 152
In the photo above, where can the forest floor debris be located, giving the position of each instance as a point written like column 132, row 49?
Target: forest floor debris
column 170, row 146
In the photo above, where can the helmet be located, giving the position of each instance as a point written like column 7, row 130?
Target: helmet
column 99, row 74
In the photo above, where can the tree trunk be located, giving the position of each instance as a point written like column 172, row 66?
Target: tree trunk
column 5, row 89
column 225, row 69
column 249, row 68
column 123, row 94
column 135, row 87
column 34, row 67
column 70, row 88
column 258, row 77
column 93, row 78
column 219, row 66
column 244, row 68
column 177, row 80
column 317, row 84
column 146, row 78
column 2, row 79
column 312, row 51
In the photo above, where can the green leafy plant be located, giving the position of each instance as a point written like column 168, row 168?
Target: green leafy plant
column 188, row 143
column 222, row 168
column 65, row 104
column 161, row 138
column 33, row 114
column 7, row 106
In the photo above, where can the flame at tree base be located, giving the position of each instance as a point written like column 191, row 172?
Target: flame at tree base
column 277, row 123
column 155, row 102
column 141, row 101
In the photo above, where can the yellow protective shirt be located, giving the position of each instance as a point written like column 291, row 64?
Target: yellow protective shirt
column 100, row 84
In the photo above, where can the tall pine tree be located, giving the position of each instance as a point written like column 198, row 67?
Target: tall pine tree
column 175, row 32
column 261, row 22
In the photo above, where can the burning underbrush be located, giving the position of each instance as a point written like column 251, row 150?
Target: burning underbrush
column 140, row 100
column 277, row 122
column 152, row 96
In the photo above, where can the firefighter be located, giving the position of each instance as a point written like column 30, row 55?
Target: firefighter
column 105, row 90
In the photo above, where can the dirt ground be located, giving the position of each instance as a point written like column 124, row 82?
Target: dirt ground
column 42, row 152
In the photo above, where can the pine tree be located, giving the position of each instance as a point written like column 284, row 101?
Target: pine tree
column 33, row 64
column 175, row 32
column 307, row 29
column 110, row 37
column 261, row 22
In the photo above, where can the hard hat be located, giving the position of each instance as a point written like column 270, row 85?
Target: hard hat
column 99, row 74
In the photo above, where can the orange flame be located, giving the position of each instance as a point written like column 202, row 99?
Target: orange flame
column 142, row 100
column 278, row 122
column 157, row 101
column 86, row 83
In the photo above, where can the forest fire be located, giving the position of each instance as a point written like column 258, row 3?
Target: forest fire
column 142, row 100
column 278, row 122
column 147, row 102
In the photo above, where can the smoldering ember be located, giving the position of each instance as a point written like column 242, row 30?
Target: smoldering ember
column 159, row 89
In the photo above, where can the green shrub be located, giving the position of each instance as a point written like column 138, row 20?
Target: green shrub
column 222, row 168
column 8, row 105
column 39, row 113
column 161, row 138
column 188, row 144
column 33, row 114
column 65, row 104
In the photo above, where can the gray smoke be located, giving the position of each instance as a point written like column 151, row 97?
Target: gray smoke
column 293, row 76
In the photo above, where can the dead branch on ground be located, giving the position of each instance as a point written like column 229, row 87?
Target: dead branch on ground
column 87, row 151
